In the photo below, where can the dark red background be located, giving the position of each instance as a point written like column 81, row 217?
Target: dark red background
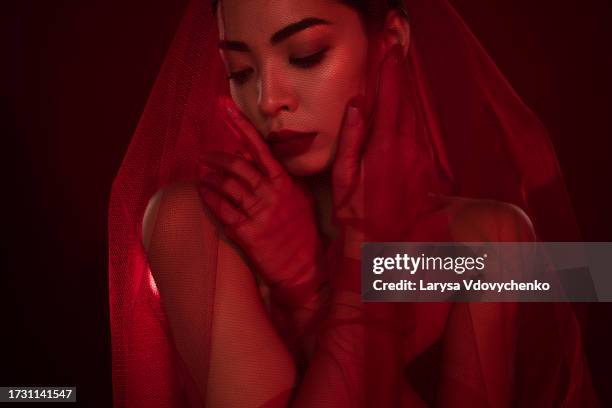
column 77, row 75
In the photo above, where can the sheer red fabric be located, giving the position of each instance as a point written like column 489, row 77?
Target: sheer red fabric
column 471, row 139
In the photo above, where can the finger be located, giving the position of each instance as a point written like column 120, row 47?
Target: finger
column 235, row 191
column 388, row 100
column 350, row 145
column 221, row 207
column 406, row 127
column 255, row 143
column 235, row 165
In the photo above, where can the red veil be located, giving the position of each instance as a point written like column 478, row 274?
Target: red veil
column 476, row 139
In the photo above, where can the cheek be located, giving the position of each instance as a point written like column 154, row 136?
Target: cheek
column 342, row 79
column 323, row 100
column 245, row 97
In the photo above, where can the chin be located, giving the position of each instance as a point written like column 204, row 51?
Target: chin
column 307, row 164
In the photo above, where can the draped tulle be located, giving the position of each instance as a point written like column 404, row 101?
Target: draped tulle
column 472, row 138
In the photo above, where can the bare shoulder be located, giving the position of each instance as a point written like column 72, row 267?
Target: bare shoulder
column 487, row 220
column 177, row 226
column 174, row 208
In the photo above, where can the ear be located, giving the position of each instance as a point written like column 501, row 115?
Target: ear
column 396, row 31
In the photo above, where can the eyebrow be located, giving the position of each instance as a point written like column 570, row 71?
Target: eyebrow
column 277, row 37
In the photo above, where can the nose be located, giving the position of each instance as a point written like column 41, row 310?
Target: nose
column 275, row 93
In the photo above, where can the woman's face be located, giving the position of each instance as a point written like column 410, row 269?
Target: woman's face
column 293, row 65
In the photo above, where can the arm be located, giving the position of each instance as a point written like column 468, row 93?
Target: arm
column 192, row 262
column 478, row 342
column 271, row 219
column 335, row 375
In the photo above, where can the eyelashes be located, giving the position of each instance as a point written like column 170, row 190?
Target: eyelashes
column 242, row 76
column 310, row 60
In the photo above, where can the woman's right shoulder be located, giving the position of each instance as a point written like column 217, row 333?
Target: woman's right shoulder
column 472, row 219
column 463, row 219
column 172, row 212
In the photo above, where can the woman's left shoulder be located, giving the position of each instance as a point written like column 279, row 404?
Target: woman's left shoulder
column 481, row 220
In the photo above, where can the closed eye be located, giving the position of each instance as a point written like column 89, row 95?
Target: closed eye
column 310, row 60
column 240, row 77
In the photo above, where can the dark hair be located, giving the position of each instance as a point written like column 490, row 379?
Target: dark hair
column 372, row 12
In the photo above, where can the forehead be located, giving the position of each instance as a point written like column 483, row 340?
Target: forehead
column 246, row 20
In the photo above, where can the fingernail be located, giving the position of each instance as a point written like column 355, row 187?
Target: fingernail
column 204, row 170
column 245, row 156
column 358, row 101
column 395, row 54
column 352, row 116
column 230, row 109
column 225, row 104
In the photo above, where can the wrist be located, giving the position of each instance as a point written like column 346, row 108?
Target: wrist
column 352, row 238
column 306, row 284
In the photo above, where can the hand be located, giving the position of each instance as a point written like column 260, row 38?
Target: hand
column 264, row 211
column 385, row 157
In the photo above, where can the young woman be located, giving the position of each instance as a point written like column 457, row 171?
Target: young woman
column 237, row 217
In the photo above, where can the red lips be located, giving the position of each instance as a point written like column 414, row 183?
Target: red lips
column 289, row 143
